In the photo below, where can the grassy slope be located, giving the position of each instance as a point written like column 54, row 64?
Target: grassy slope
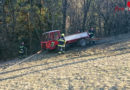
column 104, row 66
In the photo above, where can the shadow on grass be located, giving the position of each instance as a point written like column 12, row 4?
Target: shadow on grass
column 60, row 61
column 54, row 67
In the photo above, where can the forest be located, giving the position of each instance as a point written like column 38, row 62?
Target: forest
column 26, row 20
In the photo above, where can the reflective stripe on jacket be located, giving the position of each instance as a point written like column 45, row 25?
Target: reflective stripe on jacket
column 21, row 49
column 61, row 42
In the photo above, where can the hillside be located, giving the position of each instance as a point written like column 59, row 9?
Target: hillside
column 105, row 66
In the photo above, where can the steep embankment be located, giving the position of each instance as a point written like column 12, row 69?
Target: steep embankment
column 103, row 66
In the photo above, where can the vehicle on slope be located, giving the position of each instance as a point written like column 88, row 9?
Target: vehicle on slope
column 49, row 39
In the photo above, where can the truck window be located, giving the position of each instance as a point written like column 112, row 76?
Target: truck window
column 56, row 37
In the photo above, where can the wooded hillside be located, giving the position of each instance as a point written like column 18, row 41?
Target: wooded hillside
column 26, row 20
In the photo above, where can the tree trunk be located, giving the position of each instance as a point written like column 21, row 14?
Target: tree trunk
column 64, row 15
column 86, row 9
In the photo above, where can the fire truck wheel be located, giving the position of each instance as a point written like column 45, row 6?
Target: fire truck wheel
column 82, row 43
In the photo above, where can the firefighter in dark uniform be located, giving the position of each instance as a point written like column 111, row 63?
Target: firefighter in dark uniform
column 61, row 44
column 92, row 35
column 21, row 50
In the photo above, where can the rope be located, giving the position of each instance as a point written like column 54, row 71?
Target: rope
column 23, row 60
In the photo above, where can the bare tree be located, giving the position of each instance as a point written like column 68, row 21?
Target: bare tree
column 86, row 7
column 64, row 2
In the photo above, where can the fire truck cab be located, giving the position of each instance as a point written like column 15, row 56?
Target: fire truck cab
column 50, row 40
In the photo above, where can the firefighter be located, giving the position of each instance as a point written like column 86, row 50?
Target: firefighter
column 21, row 50
column 61, row 44
column 92, row 35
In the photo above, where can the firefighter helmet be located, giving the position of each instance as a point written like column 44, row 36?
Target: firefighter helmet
column 62, row 34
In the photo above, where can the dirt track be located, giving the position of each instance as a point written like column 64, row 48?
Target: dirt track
column 105, row 66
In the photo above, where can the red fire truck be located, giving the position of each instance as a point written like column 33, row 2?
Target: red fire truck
column 50, row 39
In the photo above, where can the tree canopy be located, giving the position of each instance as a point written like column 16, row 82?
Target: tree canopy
column 26, row 20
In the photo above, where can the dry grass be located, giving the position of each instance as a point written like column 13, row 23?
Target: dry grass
column 101, row 67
